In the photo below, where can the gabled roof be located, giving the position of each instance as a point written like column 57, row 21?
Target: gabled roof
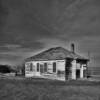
column 56, row 53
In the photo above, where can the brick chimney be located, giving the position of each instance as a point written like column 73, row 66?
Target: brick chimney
column 72, row 48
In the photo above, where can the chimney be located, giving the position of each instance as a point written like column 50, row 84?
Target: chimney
column 72, row 48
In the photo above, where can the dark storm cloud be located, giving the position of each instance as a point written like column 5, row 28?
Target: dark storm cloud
column 32, row 25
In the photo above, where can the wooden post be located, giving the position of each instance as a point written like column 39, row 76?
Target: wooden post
column 74, row 69
column 81, row 72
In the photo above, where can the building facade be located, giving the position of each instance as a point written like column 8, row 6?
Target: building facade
column 56, row 63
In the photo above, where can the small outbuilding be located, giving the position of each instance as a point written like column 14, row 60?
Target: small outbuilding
column 57, row 63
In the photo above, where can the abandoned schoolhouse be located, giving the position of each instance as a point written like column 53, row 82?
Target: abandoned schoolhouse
column 57, row 63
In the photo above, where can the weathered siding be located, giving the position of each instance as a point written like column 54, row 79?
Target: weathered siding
column 59, row 74
column 63, row 70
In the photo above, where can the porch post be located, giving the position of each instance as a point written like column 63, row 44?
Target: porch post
column 81, row 72
column 74, row 69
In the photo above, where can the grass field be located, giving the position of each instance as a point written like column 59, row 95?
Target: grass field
column 41, row 89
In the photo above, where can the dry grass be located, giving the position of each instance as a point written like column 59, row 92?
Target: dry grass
column 41, row 89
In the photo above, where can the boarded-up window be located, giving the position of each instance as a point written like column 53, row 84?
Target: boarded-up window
column 45, row 67
column 37, row 67
column 54, row 66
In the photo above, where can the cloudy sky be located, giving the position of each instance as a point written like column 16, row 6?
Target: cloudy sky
column 30, row 26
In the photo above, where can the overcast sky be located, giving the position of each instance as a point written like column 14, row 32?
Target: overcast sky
column 29, row 26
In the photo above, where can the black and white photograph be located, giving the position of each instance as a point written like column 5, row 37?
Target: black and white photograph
column 49, row 49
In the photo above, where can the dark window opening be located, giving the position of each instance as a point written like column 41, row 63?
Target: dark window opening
column 31, row 69
column 41, row 68
column 54, row 67
column 77, row 73
column 37, row 67
column 45, row 67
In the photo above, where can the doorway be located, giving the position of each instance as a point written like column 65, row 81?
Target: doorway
column 77, row 73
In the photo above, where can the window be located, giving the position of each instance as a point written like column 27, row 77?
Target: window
column 37, row 67
column 41, row 68
column 27, row 67
column 54, row 67
column 31, row 69
column 45, row 67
